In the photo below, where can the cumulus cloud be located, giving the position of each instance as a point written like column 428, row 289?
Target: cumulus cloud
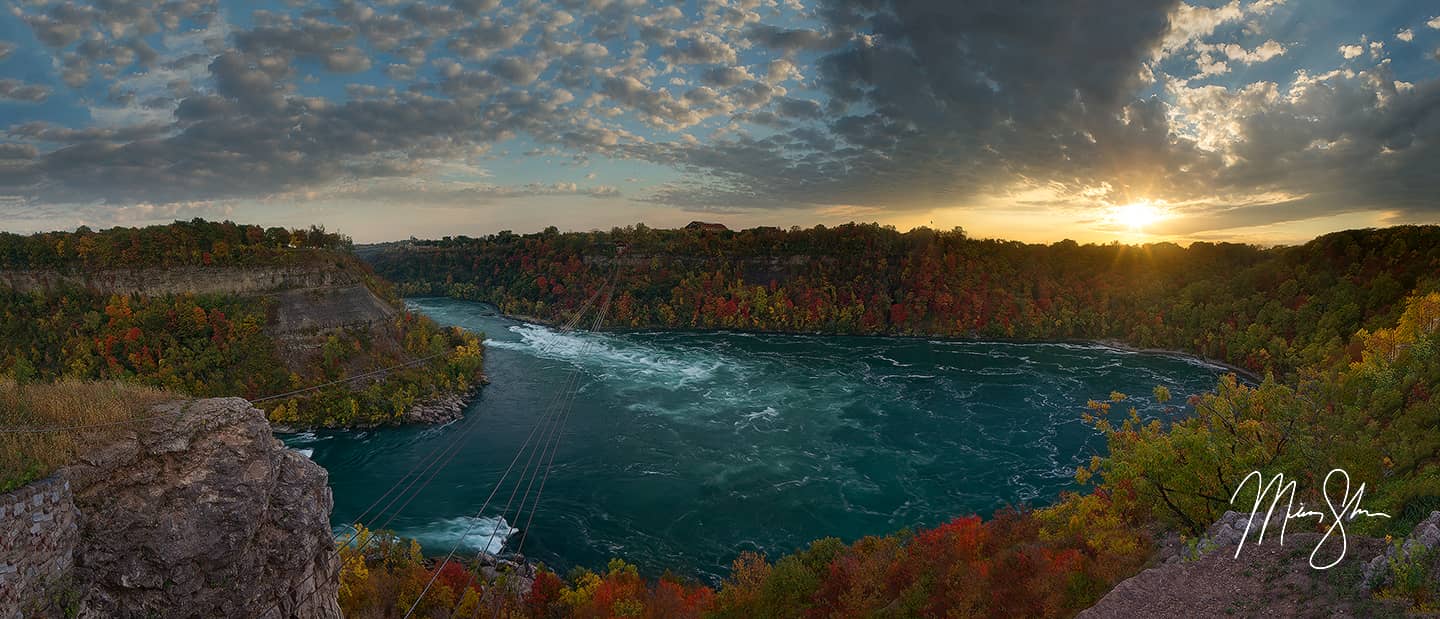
column 1189, row 23
column 1261, row 53
column 16, row 90
column 874, row 104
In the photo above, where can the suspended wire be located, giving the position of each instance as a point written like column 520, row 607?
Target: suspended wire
column 567, row 393
column 551, row 418
column 550, row 464
column 45, row 430
column 479, row 513
column 446, row 453
column 451, row 449
column 484, row 548
column 564, row 397
column 571, row 393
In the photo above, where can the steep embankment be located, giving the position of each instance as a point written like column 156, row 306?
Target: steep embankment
column 251, row 330
column 309, row 299
column 1275, row 579
column 197, row 511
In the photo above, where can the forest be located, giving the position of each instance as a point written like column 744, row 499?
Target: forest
column 1274, row 309
column 1374, row 416
column 1345, row 330
column 220, row 345
column 183, row 243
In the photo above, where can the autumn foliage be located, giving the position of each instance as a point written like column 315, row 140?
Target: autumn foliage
column 1346, row 330
column 1274, row 309
column 219, row 345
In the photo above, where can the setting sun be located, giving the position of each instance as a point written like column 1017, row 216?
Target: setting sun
column 1136, row 215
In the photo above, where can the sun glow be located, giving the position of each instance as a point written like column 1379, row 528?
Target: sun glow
column 1136, row 215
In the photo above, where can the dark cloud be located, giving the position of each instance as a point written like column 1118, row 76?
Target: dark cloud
column 16, row 90
column 700, row 48
column 63, row 25
column 951, row 98
column 451, row 196
column 889, row 104
column 54, row 134
column 10, row 152
column 724, row 77
column 793, row 40
column 518, row 70
column 799, row 108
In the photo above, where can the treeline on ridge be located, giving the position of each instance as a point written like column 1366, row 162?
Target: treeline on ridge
column 1346, row 327
column 183, row 243
column 1262, row 309
column 211, row 345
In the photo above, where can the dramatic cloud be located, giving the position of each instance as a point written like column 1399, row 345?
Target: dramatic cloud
column 1225, row 113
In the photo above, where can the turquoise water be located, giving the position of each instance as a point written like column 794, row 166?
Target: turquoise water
column 684, row 449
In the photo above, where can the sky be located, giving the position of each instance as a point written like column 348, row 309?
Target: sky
column 1264, row 121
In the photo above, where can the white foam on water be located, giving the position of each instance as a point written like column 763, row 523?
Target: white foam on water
column 676, row 368
column 768, row 414
column 893, row 362
column 306, row 452
column 473, row 534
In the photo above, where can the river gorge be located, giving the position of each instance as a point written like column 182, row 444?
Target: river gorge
column 684, row 449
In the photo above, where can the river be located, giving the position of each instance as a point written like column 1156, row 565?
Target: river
column 683, row 449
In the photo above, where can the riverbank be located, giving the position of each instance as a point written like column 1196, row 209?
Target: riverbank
column 676, row 436
column 1109, row 343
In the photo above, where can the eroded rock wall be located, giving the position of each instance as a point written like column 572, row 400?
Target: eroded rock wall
column 199, row 512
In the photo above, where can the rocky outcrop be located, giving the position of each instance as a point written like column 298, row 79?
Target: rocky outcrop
column 443, row 408
column 201, row 512
column 312, row 310
column 1423, row 544
column 1267, row 578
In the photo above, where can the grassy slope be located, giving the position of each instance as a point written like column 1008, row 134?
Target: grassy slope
column 25, row 457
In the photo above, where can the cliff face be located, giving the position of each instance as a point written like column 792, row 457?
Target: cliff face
column 180, row 280
column 199, row 512
column 308, row 302
column 310, row 297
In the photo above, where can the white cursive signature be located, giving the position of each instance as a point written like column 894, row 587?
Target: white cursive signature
column 1348, row 509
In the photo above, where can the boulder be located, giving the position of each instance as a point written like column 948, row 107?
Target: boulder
column 201, row 512
column 1423, row 539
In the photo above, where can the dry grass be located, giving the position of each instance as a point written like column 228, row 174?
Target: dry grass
column 27, row 456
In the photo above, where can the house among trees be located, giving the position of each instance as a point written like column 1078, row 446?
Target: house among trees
column 700, row 225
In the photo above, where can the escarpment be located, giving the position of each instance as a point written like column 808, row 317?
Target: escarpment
column 197, row 511
column 311, row 296
column 314, row 326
